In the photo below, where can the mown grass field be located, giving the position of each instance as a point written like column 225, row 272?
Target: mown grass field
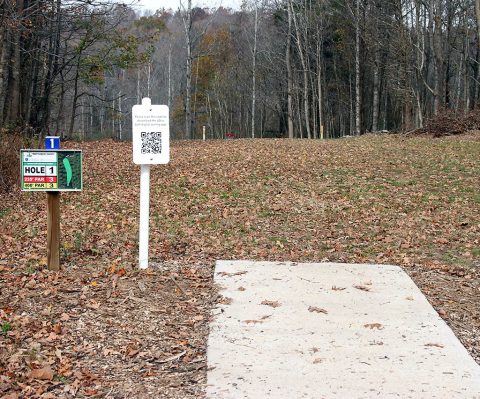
column 413, row 202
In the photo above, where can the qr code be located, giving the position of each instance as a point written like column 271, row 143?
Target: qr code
column 151, row 143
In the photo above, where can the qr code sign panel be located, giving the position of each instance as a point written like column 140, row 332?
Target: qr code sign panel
column 151, row 142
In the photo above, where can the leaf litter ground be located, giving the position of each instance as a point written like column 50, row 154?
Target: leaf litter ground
column 100, row 328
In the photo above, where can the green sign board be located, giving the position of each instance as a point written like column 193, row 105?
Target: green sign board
column 49, row 170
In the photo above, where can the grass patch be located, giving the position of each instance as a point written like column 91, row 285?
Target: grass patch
column 5, row 328
column 4, row 212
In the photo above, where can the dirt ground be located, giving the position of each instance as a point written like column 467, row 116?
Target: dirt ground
column 102, row 329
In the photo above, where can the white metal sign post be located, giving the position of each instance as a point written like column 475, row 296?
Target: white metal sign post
column 151, row 146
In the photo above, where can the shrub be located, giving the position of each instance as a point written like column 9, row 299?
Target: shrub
column 448, row 123
column 10, row 145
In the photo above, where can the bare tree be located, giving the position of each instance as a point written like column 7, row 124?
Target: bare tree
column 357, row 70
column 477, row 15
column 254, row 69
column 303, row 60
column 187, row 23
column 288, row 61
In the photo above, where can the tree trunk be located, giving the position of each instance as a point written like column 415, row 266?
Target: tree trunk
column 14, row 113
column 74, row 99
column 376, row 90
column 60, row 109
column 187, row 22
column 139, row 93
column 306, row 104
column 357, row 69
column 476, row 100
column 120, row 132
column 288, row 61
column 320, row 88
column 420, row 64
column 436, row 45
column 52, row 70
column 170, row 76
column 254, row 71
column 4, row 49
column 376, row 67
column 149, row 77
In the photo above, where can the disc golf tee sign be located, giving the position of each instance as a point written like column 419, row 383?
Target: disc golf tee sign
column 44, row 170
column 51, row 170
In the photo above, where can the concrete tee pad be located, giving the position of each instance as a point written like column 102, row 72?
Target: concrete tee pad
column 287, row 330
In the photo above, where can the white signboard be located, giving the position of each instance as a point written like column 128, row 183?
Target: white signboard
column 40, row 157
column 150, row 133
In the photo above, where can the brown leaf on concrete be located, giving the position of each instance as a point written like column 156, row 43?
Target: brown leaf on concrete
column 225, row 274
column 372, row 326
column 273, row 304
column 225, row 300
column 314, row 309
column 253, row 321
column 362, row 287
column 435, row 345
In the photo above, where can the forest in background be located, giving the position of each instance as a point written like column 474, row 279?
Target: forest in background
column 275, row 68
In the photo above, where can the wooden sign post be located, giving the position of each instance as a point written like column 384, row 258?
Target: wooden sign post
column 53, row 230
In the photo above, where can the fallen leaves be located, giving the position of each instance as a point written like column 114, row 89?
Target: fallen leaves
column 253, row 321
column 172, row 358
column 362, row 287
column 273, row 304
column 74, row 330
column 44, row 373
column 314, row 309
column 224, row 300
column 435, row 345
column 259, row 200
column 93, row 305
column 226, row 274
column 374, row 326
column 442, row 313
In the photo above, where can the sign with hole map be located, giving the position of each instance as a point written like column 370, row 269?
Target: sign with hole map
column 150, row 134
column 47, row 170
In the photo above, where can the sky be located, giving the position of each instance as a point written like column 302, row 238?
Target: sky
column 156, row 4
